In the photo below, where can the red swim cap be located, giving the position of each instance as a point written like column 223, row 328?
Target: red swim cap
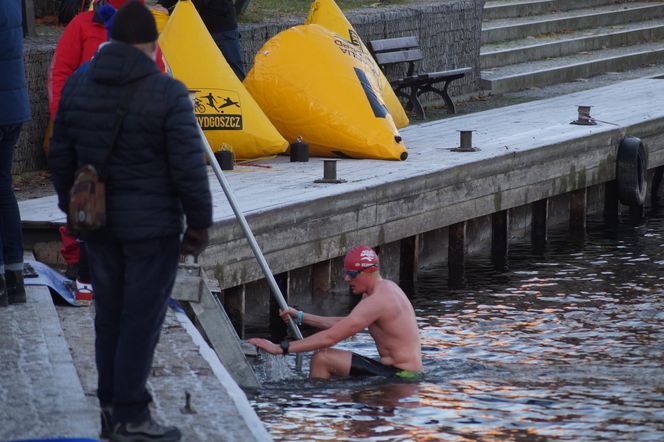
column 361, row 257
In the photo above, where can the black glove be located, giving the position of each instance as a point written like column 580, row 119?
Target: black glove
column 194, row 241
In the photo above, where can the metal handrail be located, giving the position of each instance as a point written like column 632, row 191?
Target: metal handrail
column 276, row 291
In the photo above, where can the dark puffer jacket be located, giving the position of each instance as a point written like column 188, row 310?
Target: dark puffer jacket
column 14, row 106
column 157, row 170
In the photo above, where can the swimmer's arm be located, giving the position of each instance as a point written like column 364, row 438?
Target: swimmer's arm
column 320, row 322
column 327, row 338
column 365, row 314
column 323, row 339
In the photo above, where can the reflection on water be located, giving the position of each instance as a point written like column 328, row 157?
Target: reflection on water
column 567, row 344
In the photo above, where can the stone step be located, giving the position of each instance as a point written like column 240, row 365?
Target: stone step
column 558, row 45
column 610, row 15
column 497, row 9
column 571, row 67
column 41, row 391
column 184, row 364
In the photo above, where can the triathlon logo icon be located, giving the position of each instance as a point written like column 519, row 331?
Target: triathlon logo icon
column 354, row 38
column 368, row 255
column 218, row 109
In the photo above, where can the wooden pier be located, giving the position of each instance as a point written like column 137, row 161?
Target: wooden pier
column 532, row 166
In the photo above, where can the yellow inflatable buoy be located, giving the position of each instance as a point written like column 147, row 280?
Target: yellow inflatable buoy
column 227, row 113
column 160, row 17
column 327, row 14
column 314, row 86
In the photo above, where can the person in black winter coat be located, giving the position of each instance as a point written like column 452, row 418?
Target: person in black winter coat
column 221, row 22
column 14, row 111
column 155, row 174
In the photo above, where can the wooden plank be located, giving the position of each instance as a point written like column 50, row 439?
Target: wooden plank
column 499, row 239
column 656, row 184
column 408, row 260
column 456, row 252
column 390, row 264
column 188, row 282
column 321, row 278
column 235, row 307
column 577, row 213
column 223, row 339
column 386, row 58
column 539, row 224
column 450, row 74
column 391, row 44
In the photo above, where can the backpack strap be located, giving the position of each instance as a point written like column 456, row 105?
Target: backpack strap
column 120, row 114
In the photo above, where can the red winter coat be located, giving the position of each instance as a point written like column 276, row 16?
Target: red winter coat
column 78, row 44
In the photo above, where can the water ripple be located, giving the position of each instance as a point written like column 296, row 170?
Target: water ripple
column 566, row 345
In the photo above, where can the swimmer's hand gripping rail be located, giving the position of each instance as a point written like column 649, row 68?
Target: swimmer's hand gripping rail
column 251, row 239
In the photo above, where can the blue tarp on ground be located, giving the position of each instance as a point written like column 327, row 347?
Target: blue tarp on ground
column 60, row 284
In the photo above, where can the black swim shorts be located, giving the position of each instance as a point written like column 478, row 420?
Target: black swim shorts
column 363, row 366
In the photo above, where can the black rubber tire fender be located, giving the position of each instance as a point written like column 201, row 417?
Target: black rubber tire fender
column 632, row 171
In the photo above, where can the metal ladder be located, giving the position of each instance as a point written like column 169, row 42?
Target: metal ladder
column 192, row 289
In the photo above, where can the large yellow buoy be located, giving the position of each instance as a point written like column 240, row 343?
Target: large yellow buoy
column 313, row 85
column 327, row 14
column 227, row 113
column 160, row 18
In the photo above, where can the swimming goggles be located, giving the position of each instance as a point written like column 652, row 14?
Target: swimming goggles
column 352, row 274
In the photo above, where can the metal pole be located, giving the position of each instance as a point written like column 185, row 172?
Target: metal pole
column 252, row 240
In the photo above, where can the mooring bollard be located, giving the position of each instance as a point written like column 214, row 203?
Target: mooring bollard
column 583, row 117
column 330, row 173
column 225, row 158
column 465, row 142
column 329, row 169
column 299, row 151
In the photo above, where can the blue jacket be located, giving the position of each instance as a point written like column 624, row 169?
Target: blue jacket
column 14, row 104
column 157, row 171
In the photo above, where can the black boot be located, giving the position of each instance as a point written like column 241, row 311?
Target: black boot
column 15, row 286
column 106, row 416
column 4, row 300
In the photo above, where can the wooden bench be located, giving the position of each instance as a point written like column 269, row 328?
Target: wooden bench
column 395, row 51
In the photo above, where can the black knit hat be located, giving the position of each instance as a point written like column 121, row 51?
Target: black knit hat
column 134, row 23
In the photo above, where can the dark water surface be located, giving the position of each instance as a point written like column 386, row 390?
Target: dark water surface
column 566, row 345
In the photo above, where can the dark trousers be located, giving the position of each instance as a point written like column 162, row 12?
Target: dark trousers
column 132, row 283
column 11, row 238
column 229, row 45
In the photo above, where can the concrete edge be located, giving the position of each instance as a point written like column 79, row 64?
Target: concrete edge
column 239, row 398
column 64, row 371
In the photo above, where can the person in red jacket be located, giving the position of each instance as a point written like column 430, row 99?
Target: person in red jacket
column 78, row 43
